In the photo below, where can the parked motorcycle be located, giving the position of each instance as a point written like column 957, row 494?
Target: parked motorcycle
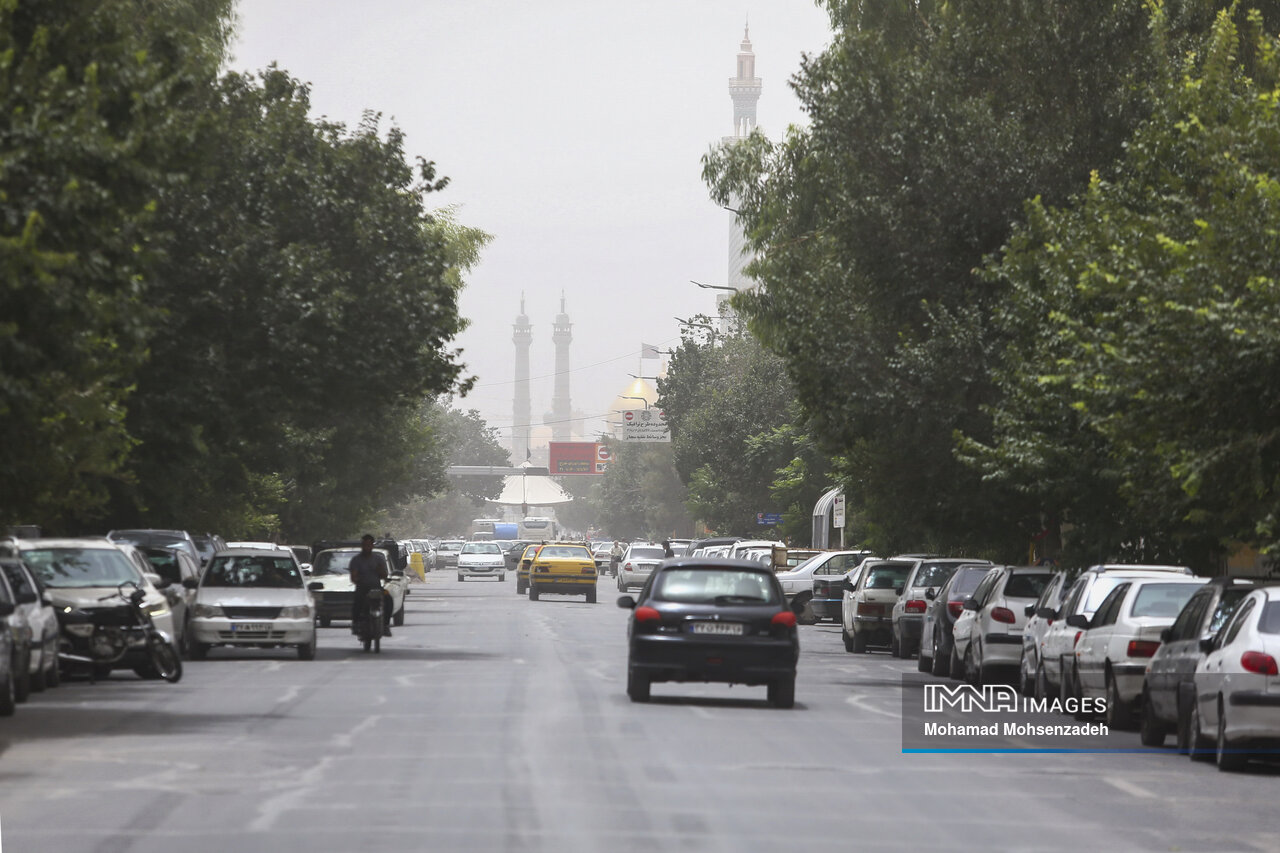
column 99, row 637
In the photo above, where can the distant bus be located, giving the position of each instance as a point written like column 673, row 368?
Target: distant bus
column 482, row 528
column 538, row 528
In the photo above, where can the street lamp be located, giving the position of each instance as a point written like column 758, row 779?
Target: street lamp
column 641, row 399
column 715, row 286
column 654, row 378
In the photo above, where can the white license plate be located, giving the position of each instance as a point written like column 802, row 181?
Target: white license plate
column 250, row 626
column 729, row 628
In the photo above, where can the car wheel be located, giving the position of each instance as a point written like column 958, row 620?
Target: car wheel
column 39, row 681
column 101, row 671
column 859, row 642
column 1042, row 682
column 54, row 675
column 325, row 621
column 1077, row 693
column 1119, row 716
column 1200, row 749
column 895, row 647
column 924, row 664
column 502, row 577
column 847, row 638
column 22, row 681
column 1150, row 731
column 460, row 577
column 199, row 651
column 1026, row 684
column 782, row 692
column 805, row 615
column 957, row 664
column 8, row 704
column 520, row 590
column 307, row 651
column 1065, row 690
column 1226, row 760
column 397, row 618
column 941, row 660
column 533, row 592
column 591, row 597
column 637, row 687
column 972, row 667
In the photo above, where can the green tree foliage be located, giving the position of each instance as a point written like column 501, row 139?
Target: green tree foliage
column 931, row 124
column 641, row 496
column 98, row 98
column 1139, row 401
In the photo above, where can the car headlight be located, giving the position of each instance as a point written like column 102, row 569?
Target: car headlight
column 302, row 611
column 206, row 611
column 160, row 609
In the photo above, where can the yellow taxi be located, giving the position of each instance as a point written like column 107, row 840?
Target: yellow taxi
column 522, row 570
column 563, row 568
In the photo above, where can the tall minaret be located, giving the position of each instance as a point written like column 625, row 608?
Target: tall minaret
column 561, row 410
column 744, row 89
column 522, row 409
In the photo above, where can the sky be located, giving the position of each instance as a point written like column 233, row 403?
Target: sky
column 572, row 131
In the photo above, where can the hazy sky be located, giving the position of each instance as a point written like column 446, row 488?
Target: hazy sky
column 572, row 131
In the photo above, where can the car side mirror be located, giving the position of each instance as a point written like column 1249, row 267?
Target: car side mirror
column 315, row 586
column 1030, row 610
column 1078, row 620
column 306, row 568
column 1047, row 613
column 1208, row 645
column 931, row 593
column 156, row 581
column 1166, row 635
column 626, row 602
column 27, row 597
column 897, row 588
column 847, row 586
column 190, row 583
column 970, row 604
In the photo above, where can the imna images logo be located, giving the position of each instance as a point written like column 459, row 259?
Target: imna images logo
column 1000, row 698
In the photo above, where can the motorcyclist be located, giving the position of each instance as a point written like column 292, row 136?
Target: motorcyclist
column 368, row 571
column 615, row 557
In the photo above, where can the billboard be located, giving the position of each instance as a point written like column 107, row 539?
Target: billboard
column 645, row 425
column 578, row 458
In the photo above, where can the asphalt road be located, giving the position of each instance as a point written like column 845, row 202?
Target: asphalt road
column 490, row 722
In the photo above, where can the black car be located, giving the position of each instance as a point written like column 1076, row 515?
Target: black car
column 944, row 608
column 708, row 619
column 1170, row 681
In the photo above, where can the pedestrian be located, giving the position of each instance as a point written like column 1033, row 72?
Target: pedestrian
column 615, row 557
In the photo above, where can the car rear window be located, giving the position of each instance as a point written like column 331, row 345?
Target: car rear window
column 1026, row 586
column 933, row 574
column 564, row 552
column 1269, row 621
column 165, row 564
column 887, row 576
column 333, row 562
column 967, row 581
column 714, row 586
column 1163, row 600
column 646, row 554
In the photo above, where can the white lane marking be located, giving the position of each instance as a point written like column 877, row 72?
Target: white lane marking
column 857, row 702
column 343, row 741
column 701, row 712
column 1128, row 787
column 518, row 660
column 289, row 695
column 270, row 810
column 272, row 666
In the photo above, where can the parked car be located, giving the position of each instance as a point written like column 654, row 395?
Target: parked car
column 829, row 590
column 1120, row 639
column 1169, row 684
column 481, row 560
column 10, row 666
column 865, row 615
column 987, row 636
column 253, row 597
column 1238, row 685
column 1057, row 652
column 638, row 561
column 335, row 591
column 944, row 609
column 208, row 544
column 1039, row 617
column 712, row 620
column 447, row 553
column 14, row 624
column 179, row 575
column 37, row 611
column 86, row 574
column 907, row 618
column 799, row 585
column 767, row 552
column 160, row 538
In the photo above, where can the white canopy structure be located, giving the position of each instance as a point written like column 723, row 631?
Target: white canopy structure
column 531, row 490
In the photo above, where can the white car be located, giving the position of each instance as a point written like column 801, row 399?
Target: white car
column 447, row 553
column 1039, row 617
column 37, row 612
column 638, row 562
column 907, row 618
column 482, row 560
column 866, row 611
column 1111, row 658
column 1238, row 685
column 757, row 550
column 253, row 597
column 988, row 631
column 1057, row 650
column 330, row 580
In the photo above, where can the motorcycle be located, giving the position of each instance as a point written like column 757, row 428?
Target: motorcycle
column 99, row 637
column 369, row 629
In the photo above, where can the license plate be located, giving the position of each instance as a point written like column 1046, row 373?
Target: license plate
column 250, row 626
column 733, row 629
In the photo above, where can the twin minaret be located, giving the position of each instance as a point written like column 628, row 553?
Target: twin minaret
column 561, row 415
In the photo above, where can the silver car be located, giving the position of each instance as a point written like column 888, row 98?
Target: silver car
column 638, row 562
column 253, row 597
column 38, row 614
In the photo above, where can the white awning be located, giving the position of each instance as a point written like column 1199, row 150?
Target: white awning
column 531, row 490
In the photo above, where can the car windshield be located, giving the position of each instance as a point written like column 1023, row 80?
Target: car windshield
column 1163, row 600
column 714, row 586
column 481, row 548
column 253, row 571
column 18, row 580
column 63, row 568
column 646, row 554
column 887, row 576
column 1101, row 589
column 933, row 574
column 1269, row 621
column 564, row 552
column 1027, row 585
column 333, row 562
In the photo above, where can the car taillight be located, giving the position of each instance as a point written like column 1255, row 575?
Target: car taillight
column 865, row 609
column 1259, row 662
column 588, row 571
column 1079, row 634
column 1003, row 614
column 626, row 567
column 786, row 619
column 1143, row 648
column 647, row 614
column 955, row 608
column 916, row 605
